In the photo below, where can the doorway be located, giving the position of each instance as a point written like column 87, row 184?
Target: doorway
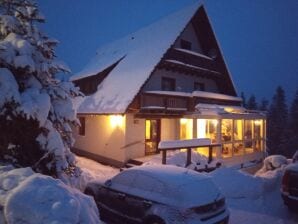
column 152, row 136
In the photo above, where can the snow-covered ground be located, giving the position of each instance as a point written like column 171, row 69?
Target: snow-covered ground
column 251, row 199
column 27, row 197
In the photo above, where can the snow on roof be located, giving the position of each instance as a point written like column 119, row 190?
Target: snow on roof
column 142, row 51
column 218, row 96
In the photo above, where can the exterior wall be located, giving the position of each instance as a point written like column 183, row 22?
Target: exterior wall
column 102, row 139
column 189, row 35
column 169, row 129
column 134, row 137
column 184, row 83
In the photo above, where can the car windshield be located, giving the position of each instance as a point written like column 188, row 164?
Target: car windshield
column 123, row 180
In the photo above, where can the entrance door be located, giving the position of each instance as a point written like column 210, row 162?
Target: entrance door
column 152, row 136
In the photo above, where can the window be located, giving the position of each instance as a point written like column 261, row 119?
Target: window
column 168, row 84
column 186, row 128
column 198, row 86
column 185, row 44
column 82, row 127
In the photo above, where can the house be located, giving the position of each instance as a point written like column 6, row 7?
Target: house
column 167, row 81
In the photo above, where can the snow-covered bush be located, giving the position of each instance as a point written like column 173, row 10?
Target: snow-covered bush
column 28, row 197
column 36, row 109
column 272, row 163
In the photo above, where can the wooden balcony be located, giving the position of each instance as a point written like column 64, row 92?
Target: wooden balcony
column 192, row 59
column 163, row 103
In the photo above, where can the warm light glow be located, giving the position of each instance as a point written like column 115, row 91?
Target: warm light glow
column 183, row 121
column 229, row 109
column 148, row 129
column 116, row 120
column 258, row 122
column 201, row 128
column 186, row 128
column 214, row 122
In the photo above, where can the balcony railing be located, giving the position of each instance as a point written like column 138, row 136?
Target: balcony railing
column 163, row 102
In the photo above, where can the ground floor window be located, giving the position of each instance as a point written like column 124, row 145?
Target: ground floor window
column 186, row 128
column 246, row 136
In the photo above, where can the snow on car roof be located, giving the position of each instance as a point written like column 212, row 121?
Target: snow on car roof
column 171, row 174
column 141, row 52
column 182, row 187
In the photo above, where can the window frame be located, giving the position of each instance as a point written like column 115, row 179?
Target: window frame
column 171, row 83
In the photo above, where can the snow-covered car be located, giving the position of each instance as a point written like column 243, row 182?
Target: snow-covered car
column 289, row 190
column 159, row 194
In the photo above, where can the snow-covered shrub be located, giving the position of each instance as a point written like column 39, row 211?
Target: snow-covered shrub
column 36, row 109
column 272, row 163
column 28, row 197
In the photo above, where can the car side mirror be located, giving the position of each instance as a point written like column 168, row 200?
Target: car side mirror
column 108, row 183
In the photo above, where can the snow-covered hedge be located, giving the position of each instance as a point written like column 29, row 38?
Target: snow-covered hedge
column 28, row 197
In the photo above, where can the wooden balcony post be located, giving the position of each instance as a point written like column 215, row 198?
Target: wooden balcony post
column 188, row 158
column 164, row 156
column 210, row 154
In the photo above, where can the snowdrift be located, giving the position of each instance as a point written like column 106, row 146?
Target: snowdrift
column 28, row 197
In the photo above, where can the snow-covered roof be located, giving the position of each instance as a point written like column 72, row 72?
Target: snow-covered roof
column 139, row 61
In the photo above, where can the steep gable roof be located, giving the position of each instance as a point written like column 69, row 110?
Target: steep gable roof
column 140, row 53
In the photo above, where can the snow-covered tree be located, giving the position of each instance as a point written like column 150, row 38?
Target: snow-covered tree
column 36, row 109
column 277, row 123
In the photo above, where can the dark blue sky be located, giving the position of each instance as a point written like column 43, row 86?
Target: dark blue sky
column 258, row 37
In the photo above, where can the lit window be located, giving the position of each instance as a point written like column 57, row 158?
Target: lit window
column 186, row 128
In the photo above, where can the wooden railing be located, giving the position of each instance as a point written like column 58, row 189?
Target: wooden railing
column 164, row 102
column 190, row 59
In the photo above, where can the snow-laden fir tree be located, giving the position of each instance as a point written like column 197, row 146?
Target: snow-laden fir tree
column 36, row 109
column 277, row 123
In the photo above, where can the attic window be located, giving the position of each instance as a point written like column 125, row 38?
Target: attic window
column 168, row 84
column 199, row 86
column 185, row 44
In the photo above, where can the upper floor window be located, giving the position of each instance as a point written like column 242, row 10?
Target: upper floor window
column 168, row 84
column 199, row 86
column 82, row 127
column 185, row 44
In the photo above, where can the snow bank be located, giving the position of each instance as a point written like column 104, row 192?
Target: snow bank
column 93, row 172
column 237, row 184
column 28, row 197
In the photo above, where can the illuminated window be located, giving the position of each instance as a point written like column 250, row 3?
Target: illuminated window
column 207, row 128
column 148, row 129
column 226, row 130
column 258, row 134
column 248, row 135
column 82, row 127
column 238, row 146
column 186, row 128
